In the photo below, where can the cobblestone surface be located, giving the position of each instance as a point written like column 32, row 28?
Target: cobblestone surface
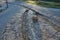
column 27, row 26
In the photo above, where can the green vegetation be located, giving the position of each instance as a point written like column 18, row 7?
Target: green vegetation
column 50, row 4
column 52, row 0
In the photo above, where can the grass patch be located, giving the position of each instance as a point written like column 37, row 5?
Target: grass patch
column 45, row 4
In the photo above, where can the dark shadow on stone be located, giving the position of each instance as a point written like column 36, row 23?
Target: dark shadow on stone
column 35, row 19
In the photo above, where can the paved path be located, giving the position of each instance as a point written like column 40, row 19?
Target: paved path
column 23, row 24
column 53, row 14
column 7, row 14
column 28, row 26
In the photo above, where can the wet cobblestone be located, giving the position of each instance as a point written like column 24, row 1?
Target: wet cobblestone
column 22, row 27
